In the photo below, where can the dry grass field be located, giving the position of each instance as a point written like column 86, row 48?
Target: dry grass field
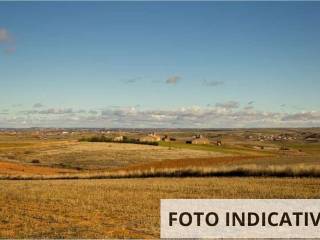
column 121, row 208
column 113, row 190
column 25, row 154
column 73, row 154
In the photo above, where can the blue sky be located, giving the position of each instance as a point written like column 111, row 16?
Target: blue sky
column 142, row 64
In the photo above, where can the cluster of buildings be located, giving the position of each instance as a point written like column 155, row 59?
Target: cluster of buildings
column 281, row 137
column 199, row 139
column 153, row 137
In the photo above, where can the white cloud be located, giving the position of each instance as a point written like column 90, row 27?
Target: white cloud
column 186, row 117
column 50, row 111
column 248, row 108
column 303, row 116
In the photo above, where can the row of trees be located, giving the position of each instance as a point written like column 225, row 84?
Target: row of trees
column 125, row 139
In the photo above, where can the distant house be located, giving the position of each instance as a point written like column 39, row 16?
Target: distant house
column 152, row 137
column 199, row 139
column 167, row 139
column 118, row 139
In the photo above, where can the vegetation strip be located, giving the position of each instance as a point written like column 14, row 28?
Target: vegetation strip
column 243, row 171
column 123, row 139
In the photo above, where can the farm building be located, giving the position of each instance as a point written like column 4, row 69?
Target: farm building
column 166, row 138
column 199, row 139
column 118, row 139
column 152, row 137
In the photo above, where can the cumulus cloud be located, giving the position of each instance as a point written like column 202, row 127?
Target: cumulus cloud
column 56, row 111
column 303, row 116
column 212, row 83
column 50, row 111
column 189, row 117
column 228, row 105
column 224, row 115
column 38, row 105
column 173, row 79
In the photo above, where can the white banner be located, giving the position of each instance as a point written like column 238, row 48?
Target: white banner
column 254, row 218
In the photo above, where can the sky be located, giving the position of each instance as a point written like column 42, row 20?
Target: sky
column 159, row 64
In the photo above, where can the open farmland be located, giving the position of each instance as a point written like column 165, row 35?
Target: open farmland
column 93, row 156
column 121, row 208
column 81, row 205
column 53, row 153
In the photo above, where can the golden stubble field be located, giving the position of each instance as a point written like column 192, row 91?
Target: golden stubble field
column 129, row 208
column 121, row 208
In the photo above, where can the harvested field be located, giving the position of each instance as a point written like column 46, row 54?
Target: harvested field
column 263, row 161
column 89, row 203
column 113, row 208
column 193, row 162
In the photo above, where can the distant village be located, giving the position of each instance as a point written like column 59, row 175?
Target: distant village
column 189, row 136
